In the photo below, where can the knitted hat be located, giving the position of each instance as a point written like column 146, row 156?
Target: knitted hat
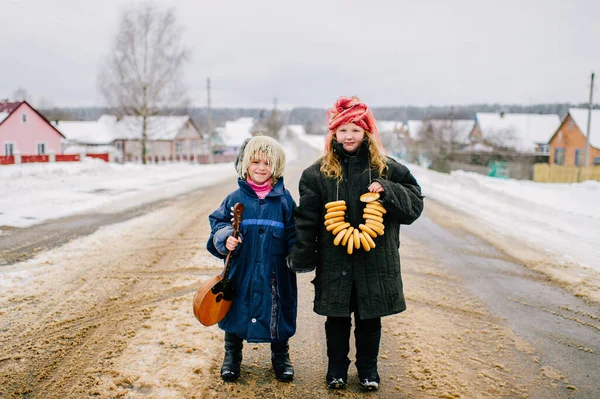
column 352, row 110
column 266, row 146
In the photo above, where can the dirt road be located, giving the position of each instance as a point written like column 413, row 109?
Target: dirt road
column 109, row 315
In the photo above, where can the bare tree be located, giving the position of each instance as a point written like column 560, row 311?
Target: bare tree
column 143, row 74
column 21, row 95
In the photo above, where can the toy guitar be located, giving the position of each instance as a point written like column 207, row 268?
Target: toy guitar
column 213, row 299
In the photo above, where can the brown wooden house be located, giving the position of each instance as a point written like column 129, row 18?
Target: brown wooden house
column 567, row 145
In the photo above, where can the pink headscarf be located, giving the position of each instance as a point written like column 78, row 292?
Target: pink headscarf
column 351, row 110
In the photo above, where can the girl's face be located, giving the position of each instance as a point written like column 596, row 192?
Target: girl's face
column 259, row 170
column 350, row 135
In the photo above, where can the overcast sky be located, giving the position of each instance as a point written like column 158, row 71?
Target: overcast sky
column 309, row 52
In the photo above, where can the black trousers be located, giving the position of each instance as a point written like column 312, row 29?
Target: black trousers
column 367, row 335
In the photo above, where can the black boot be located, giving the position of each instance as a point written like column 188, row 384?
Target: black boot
column 230, row 370
column 280, row 358
column 337, row 333
column 367, row 351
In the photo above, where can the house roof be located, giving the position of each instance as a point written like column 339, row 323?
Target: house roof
column 580, row 115
column 3, row 116
column 157, row 127
column 520, row 131
column 107, row 128
column 89, row 132
column 452, row 130
column 389, row 126
column 235, row 132
column 8, row 107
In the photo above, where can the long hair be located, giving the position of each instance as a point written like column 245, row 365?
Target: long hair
column 331, row 167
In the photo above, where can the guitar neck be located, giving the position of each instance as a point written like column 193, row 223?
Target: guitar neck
column 228, row 259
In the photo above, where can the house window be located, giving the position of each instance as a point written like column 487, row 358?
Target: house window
column 596, row 161
column 119, row 145
column 578, row 157
column 178, row 147
column 545, row 148
column 559, row 156
column 9, row 149
column 41, row 148
column 24, row 117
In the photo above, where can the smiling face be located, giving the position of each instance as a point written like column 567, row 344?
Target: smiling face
column 260, row 169
column 350, row 135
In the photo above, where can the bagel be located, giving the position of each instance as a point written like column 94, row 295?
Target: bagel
column 369, row 239
column 334, row 203
column 351, row 244
column 347, row 235
column 364, row 242
column 375, row 228
column 334, row 220
column 339, row 237
column 375, row 212
column 334, row 225
column 369, row 197
column 340, row 228
column 368, row 216
column 337, row 208
column 377, row 206
column 356, row 239
column 368, row 230
column 332, row 215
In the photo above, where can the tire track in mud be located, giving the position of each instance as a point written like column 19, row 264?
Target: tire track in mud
column 55, row 337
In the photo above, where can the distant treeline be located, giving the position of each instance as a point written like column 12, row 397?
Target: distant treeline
column 316, row 116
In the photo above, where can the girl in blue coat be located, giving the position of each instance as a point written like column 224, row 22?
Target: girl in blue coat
column 265, row 304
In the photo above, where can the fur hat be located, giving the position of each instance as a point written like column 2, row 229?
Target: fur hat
column 351, row 110
column 265, row 145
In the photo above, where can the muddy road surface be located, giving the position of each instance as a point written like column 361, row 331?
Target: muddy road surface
column 108, row 315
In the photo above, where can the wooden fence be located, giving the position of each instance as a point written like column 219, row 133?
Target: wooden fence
column 545, row 173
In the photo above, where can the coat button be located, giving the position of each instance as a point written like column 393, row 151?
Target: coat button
column 344, row 273
column 253, row 320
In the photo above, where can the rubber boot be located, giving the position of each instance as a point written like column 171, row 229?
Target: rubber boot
column 280, row 358
column 230, row 370
column 338, row 347
column 367, row 351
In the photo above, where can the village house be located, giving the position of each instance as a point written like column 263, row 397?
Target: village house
column 520, row 133
column 567, row 144
column 25, row 132
column 168, row 138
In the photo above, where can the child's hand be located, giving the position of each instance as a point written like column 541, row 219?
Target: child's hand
column 232, row 243
column 375, row 187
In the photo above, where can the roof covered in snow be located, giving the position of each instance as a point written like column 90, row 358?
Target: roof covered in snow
column 3, row 116
column 519, row 131
column 580, row 115
column 451, row 130
column 389, row 126
column 107, row 128
column 157, row 127
column 235, row 132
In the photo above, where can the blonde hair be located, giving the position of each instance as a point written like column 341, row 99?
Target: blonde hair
column 261, row 147
column 330, row 163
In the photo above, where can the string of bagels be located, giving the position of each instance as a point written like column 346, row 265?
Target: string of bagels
column 362, row 236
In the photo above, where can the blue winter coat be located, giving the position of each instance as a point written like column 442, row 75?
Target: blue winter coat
column 265, row 305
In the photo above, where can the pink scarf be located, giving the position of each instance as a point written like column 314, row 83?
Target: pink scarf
column 262, row 190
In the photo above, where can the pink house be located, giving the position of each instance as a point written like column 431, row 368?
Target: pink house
column 24, row 130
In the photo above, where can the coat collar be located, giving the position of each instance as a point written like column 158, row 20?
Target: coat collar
column 361, row 152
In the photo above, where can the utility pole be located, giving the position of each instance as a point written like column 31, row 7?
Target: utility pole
column 589, row 122
column 209, row 123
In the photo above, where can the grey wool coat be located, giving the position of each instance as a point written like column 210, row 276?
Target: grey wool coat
column 376, row 274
